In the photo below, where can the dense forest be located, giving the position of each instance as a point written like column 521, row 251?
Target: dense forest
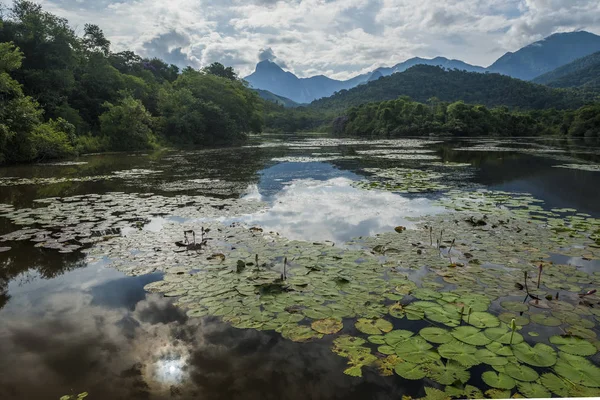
column 583, row 73
column 406, row 117
column 62, row 94
column 422, row 82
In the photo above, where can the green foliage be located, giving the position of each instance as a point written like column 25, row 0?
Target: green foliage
column 88, row 98
column 127, row 125
column 406, row 117
column 220, row 70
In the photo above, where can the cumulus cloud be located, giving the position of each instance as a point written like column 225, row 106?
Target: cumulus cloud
column 339, row 38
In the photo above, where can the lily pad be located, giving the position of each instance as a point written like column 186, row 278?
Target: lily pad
column 490, row 358
column 574, row 345
column 327, row 326
column 449, row 373
column 482, row 320
column 411, row 371
column 514, row 306
column 533, row 390
column 373, row 326
column 498, row 380
column 394, row 337
column 436, row 335
column 498, row 348
column 521, row 372
column 544, row 319
column 578, row 370
column 470, row 335
column 459, row 351
column 416, row 350
column 540, row 355
column 503, row 335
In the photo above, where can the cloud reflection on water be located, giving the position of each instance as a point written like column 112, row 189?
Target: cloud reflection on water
column 335, row 210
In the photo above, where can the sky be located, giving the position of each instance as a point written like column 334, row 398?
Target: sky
column 337, row 38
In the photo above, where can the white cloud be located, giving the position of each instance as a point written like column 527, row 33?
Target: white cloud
column 334, row 37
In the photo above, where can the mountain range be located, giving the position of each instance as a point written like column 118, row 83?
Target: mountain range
column 527, row 63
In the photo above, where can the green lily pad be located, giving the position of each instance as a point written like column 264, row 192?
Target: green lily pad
column 394, row 337
column 436, row 335
column 432, row 393
column 498, row 348
column 515, row 306
column 373, row 326
column 449, row 373
column 503, row 335
column 468, row 392
column 459, row 351
column 327, row 326
column 574, row 345
column 508, row 317
column 470, row 335
column 497, row 394
column 387, row 350
column 533, row 390
column 521, row 372
column 578, row 370
column 555, row 384
column 544, row 319
column 490, row 358
column 300, row 333
column 408, row 370
column 541, row 355
column 376, row 339
column 583, row 333
column 482, row 320
column 416, row 350
column 498, row 380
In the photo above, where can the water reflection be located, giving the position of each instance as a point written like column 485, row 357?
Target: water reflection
column 67, row 340
column 334, row 210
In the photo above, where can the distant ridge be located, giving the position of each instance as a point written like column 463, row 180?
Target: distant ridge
column 527, row 63
column 546, row 55
column 423, row 82
column 582, row 73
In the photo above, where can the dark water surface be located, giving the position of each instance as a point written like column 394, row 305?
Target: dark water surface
column 66, row 327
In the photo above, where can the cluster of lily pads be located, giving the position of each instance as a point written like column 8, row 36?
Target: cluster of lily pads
column 461, row 277
column 68, row 224
column 126, row 174
column 471, row 293
column 402, row 180
column 582, row 167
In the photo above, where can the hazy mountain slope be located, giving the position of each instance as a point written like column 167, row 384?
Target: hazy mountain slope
column 546, row 55
column 269, row 76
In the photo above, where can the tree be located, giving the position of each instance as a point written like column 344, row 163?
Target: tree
column 127, row 125
column 219, row 69
column 95, row 41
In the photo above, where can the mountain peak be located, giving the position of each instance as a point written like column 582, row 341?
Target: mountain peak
column 267, row 65
column 547, row 54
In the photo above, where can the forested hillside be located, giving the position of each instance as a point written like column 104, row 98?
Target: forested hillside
column 62, row 94
column 583, row 73
column 423, row 82
column 405, row 117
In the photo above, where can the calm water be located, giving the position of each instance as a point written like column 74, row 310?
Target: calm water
column 66, row 327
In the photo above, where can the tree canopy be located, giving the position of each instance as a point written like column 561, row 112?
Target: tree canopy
column 63, row 94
